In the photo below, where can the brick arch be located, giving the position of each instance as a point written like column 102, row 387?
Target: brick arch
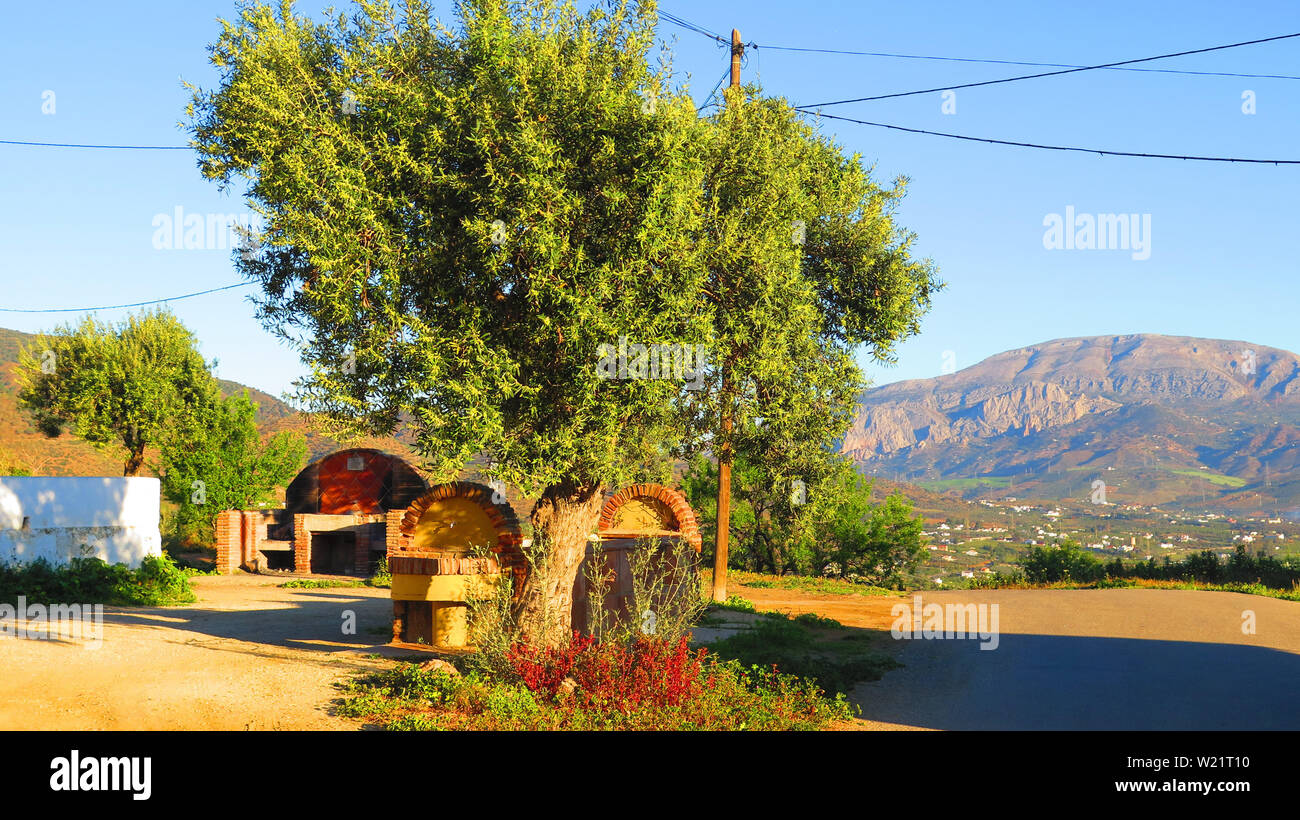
column 677, row 515
column 509, row 547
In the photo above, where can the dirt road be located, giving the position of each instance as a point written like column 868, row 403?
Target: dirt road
column 247, row 656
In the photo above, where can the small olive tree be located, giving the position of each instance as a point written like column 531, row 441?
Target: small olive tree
column 225, row 464
column 132, row 384
column 806, row 264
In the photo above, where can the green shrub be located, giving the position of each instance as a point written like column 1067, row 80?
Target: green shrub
column 1116, row 583
column 1068, row 562
column 157, row 582
column 730, row 696
column 737, row 604
column 813, row 619
column 413, row 723
column 382, row 577
column 997, row 580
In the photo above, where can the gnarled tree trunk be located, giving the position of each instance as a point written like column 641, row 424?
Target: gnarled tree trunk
column 562, row 519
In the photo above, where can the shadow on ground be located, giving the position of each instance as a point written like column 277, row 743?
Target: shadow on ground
column 331, row 622
column 1033, row 682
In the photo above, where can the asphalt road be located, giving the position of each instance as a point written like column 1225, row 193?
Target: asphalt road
column 1101, row 659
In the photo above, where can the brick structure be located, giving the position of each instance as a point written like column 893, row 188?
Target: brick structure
column 628, row 517
column 508, row 548
column 433, row 568
column 641, row 509
column 301, row 545
column 341, row 500
column 229, row 537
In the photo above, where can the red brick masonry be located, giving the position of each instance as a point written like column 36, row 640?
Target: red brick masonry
column 685, row 517
column 404, row 559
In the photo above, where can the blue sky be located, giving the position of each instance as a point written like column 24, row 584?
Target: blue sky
column 78, row 226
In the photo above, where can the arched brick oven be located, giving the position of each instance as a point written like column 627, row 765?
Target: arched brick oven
column 332, row 521
column 631, row 514
column 430, row 555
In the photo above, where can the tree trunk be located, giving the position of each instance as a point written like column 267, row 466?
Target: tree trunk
column 134, row 461
column 720, row 543
column 562, row 519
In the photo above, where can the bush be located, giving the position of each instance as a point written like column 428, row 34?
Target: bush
column 997, row 580
column 737, row 604
column 649, row 672
column 673, row 688
column 382, row 577
column 813, row 619
column 157, row 582
column 1068, row 562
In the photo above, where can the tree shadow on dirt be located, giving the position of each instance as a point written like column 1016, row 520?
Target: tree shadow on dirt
column 336, row 623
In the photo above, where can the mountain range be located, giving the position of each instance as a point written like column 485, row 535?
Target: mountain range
column 1158, row 419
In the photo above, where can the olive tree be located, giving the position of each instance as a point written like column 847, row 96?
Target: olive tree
column 132, row 384
column 805, row 265
column 457, row 220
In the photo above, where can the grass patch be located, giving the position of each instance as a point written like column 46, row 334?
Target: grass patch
column 807, row 583
column 381, row 579
column 942, row 485
column 808, row 646
column 320, row 583
column 1213, row 478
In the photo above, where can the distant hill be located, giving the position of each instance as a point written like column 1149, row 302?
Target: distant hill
column 1159, row 419
column 23, row 445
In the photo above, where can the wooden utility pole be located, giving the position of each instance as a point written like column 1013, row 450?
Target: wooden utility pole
column 737, row 51
column 725, row 408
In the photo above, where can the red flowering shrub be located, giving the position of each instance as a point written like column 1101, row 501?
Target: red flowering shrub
column 544, row 670
column 650, row 672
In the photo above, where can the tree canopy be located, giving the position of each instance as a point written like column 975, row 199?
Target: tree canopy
column 224, row 464
column 460, row 221
column 131, row 384
column 805, row 265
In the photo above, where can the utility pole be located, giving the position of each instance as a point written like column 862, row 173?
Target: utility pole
column 737, row 51
column 720, row 544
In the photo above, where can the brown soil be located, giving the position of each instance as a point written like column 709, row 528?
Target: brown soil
column 247, row 656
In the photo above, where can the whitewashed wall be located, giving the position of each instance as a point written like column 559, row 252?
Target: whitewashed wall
column 58, row 518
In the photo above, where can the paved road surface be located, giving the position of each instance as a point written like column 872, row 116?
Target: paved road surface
column 1101, row 659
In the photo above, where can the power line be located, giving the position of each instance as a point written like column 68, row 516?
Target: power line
column 1099, row 151
column 82, row 145
column 714, row 92
column 689, row 26
column 1029, row 63
column 133, row 304
column 1055, row 73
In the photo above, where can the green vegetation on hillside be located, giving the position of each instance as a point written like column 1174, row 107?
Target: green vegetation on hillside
column 944, row 484
column 1213, row 478
column 1068, row 563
